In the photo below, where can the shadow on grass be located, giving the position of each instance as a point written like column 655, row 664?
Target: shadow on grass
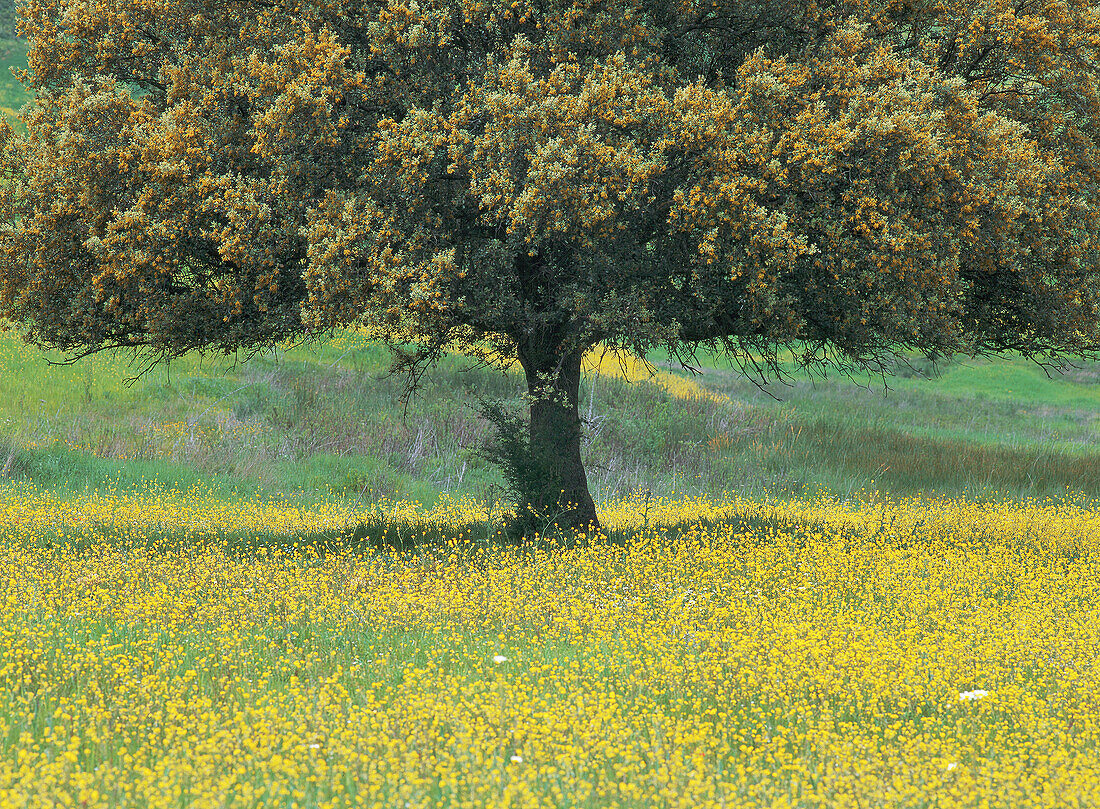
column 389, row 538
column 474, row 541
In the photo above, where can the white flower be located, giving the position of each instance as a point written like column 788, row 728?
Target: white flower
column 969, row 696
column 517, row 759
column 500, row 659
column 315, row 746
column 952, row 765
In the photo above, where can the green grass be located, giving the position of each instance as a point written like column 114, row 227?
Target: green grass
column 329, row 421
column 976, row 427
column 13, row 56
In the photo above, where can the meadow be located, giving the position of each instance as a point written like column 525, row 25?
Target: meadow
column 223, row 587
column 13, row 56
column 276, row 583
column 176, row 649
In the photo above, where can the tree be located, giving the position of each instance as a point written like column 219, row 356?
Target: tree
column 850, row 178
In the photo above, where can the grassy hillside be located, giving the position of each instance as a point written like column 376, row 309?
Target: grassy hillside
column 327, row 420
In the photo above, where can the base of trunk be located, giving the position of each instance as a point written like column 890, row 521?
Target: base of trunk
column 559, row 503
column 565, row 518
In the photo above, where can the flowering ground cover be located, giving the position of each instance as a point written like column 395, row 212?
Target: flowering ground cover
column 165, row 648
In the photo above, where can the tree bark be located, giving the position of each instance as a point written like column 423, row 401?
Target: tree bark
column 561, row 495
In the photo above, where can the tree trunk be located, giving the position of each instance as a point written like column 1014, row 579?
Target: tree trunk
column 561, row 495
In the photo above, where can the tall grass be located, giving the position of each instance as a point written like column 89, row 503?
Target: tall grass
column 328, row 420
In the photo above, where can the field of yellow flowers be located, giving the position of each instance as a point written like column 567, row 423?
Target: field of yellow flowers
column 162, row 648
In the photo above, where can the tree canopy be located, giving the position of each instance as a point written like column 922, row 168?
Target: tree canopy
column 852, row 178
